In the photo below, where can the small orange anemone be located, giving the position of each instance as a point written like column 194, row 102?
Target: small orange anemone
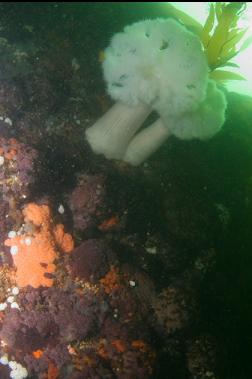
column 37, row 354
column 111, row 281
column 119, row 345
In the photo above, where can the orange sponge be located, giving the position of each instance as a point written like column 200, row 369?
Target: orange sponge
column 36, row 249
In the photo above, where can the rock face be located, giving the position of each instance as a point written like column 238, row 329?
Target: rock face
column 86, row 201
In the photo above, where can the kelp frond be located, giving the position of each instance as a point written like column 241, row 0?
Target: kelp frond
column 222, row 75
column 220, row 36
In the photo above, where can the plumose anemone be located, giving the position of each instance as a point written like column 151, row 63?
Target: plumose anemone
column 155, row 65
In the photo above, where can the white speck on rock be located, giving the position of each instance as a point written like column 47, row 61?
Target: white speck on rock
column 15, row 290
column 12, row 234
column 28, row 241
column 75, row 64
column 7, row 120
column 10, row 299
column 14, row 250
column 4, row 360
column 151, row 250
column 3, row 306
column 61, row 209
column 14, row 305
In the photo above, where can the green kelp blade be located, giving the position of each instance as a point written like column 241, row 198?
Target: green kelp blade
column 246, row 44
column 223, row 76
column 209, row 24
column 236, row 38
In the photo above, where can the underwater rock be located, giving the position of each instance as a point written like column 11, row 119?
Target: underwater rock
column 17, row 168
column 17, row 161
column 91, row 260
column 13, row 60
column 171, row 310
column 11, row 101
column 201, row 357
column 86, row 201
column 100, row 324
column 42, row 93
column 49, row 316
column 4, row 372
